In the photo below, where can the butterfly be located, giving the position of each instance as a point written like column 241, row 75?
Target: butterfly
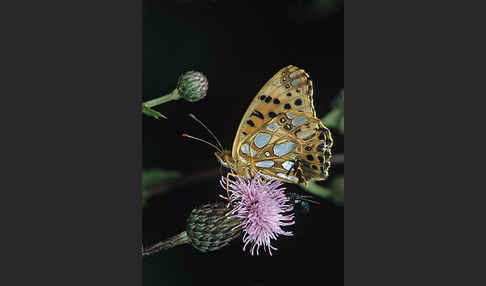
column 279, row 136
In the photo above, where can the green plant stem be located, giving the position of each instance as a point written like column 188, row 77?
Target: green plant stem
column 170, row 242
column 174, row 95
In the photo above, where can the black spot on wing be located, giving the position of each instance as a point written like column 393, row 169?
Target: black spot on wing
column 258, row 114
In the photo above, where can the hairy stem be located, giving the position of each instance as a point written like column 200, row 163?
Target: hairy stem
column 170, row 242
column 174, row 95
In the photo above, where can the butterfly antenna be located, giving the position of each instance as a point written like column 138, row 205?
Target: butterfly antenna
column 210, row 132
column 204, row 141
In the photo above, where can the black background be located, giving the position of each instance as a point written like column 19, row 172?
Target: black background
column 72, row 150
column 238, row 46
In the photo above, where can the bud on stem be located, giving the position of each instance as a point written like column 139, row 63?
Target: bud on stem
column 209, row 227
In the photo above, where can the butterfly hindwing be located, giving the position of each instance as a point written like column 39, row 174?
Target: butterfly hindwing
column 315, row 158
column 292, row 147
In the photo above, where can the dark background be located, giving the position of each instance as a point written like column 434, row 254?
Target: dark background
column 71, row 179
column 238, row 46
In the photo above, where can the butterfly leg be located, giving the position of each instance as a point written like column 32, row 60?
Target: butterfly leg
column 253, row 173
column 227, row 183
column 230, row 174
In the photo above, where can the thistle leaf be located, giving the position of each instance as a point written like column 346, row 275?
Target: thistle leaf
column 150, row 112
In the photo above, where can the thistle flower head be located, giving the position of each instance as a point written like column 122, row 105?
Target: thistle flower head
column 209, row 227
column 192, row 86
column 263, row 208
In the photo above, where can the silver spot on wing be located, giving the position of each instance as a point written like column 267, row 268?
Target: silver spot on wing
column 267, row 154
column 265, row 164
column 306, row 135
column 287, row 165
column 262, row 139
column 299, row 121
column 284, row 148
column 290, row 115
column 285, row 176
column 296, row 82
column 245, row 149
column 268, row 177
column 273, row 126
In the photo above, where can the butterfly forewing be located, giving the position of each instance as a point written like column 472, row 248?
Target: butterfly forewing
column 290, row 89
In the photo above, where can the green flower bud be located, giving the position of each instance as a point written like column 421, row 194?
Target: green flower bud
column 192, row 86
column 209, row 227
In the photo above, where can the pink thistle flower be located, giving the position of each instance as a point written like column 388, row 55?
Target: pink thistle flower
column 262, row 206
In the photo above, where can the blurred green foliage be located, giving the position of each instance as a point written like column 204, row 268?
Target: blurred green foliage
column 335, row 118
column 318, row 190
column 337, row 188
column 155, row 176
